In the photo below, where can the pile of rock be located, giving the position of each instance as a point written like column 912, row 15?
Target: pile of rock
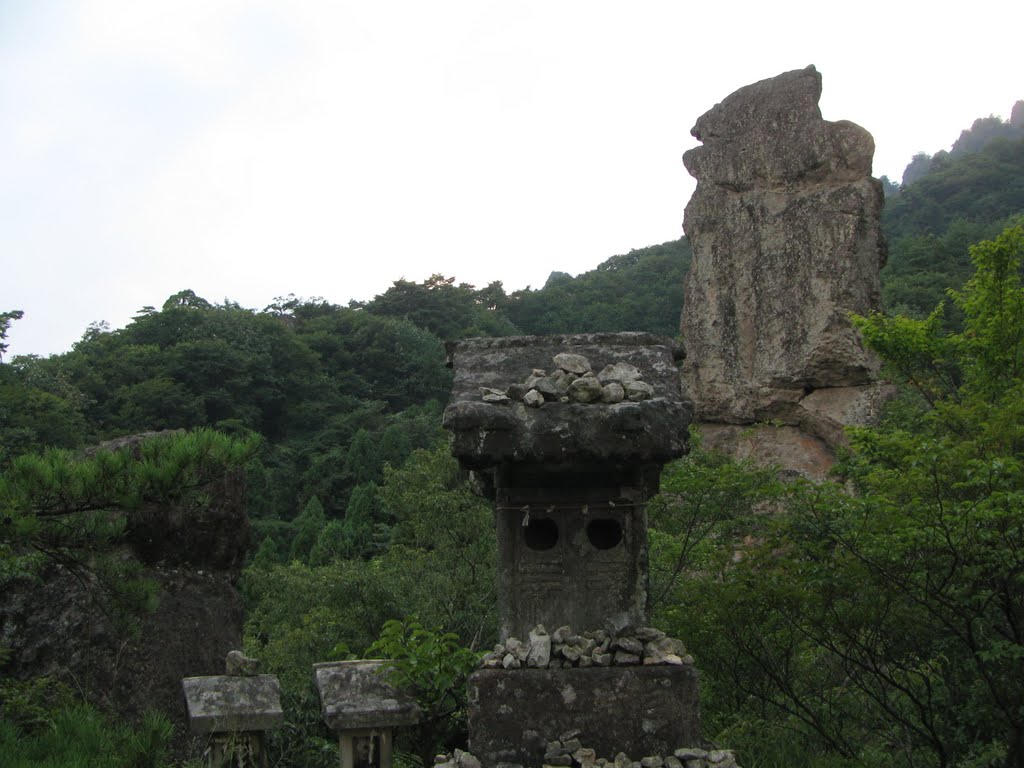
column 574, row 381
column 568, row 752
column 599, row 648
column 458, row 759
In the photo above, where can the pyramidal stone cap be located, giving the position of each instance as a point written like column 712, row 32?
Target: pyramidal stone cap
column 230, row 703
column 356, row 695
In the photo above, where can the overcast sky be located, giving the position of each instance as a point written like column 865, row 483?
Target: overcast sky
column 248, row 149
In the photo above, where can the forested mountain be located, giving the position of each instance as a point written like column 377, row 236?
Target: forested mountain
column 361, row 516
column 638, row 291
column 962, row 197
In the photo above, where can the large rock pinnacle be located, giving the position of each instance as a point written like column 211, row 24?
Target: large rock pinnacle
column 785, row 229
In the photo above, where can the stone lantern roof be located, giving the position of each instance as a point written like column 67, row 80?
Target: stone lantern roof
column 231, row 703
column 355, row 696
column 516, row 400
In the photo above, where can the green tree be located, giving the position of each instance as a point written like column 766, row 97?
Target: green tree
column 32, row 420
column 308, row 526
column 443, row 552
column 638, row 291
column 431, row 665
column 6, row 318
column 364, row 532
column 447, row 310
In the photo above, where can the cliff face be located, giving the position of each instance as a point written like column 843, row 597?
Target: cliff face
column 785, row 229
column 193, row 553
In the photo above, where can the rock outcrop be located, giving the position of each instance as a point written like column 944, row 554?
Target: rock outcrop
column 193, row 552
column 785, row 229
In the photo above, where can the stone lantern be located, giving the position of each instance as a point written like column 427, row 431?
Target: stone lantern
column 568, row 436
column 234, row 711
column 363, row 709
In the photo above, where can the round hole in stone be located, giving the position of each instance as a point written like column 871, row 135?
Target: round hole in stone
column 604, row 533
column 541, row 534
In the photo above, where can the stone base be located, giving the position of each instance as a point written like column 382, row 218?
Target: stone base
column 643, row 710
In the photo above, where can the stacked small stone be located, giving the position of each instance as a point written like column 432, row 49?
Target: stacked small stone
column 458, row 759
column 568, row 752
column 599, row 648
column 574, row 381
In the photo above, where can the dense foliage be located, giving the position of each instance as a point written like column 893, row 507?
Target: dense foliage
column 963, row 197
column 639, row 291
column 78, row 735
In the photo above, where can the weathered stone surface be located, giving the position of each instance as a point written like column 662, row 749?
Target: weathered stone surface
column 825, row 412
column 613, row 392
column 586, row 389
column 490, row 395
column 630, row 645
column 572, row 363
column 540, row 648
column 533, row 399
column 516, row 647
column 353, row 694
column 647, row 634
column 785, row 227
column 620, row 372
column 488, row 434
column 765, row 444
column 690, row 753
column 548, row 387
column 638, row 390
column 811, row 428
column 600, row 559
column 237, row 663
column 226, row 703
column 661, row 713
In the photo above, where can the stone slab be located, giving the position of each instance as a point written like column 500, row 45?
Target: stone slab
column 354, row 695
column 224, row 704
column 637, row 710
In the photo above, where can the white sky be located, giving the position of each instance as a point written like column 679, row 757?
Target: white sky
column 247, row 149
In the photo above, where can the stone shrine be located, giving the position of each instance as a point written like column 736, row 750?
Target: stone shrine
column 568, row 435
column 363, row 709
column 233, row 712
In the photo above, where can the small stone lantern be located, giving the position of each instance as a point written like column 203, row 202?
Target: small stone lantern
column 360, row 706
column 235, row 710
